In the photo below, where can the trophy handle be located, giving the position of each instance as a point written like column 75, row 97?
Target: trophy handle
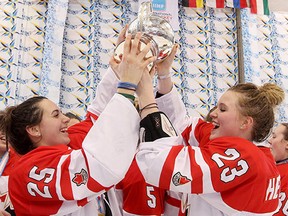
column 144, row 12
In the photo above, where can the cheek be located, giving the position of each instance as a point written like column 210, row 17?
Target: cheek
column 277, row 147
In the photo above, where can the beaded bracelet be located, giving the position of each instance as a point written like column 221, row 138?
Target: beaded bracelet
column 127, row 85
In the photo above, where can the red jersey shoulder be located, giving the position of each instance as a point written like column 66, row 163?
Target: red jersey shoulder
column 44, row 156
column 203, row 132
column 283, row 170
column 13, row 159
column 78, row 132
column 31, row 177
column 246, row 170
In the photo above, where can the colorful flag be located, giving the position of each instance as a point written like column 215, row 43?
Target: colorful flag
column 236, row 3
column 215, row 3
column 259, row 7
column 193, row 3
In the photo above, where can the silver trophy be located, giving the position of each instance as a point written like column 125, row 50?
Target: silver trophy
column 155, row 30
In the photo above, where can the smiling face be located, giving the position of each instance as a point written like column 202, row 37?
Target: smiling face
column 227, row 119
column 52, row 129
column 278, row 144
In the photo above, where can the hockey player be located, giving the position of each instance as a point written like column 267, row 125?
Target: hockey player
column 216, row 165
column 133, row 196
column 279, row 148
column 52, row 178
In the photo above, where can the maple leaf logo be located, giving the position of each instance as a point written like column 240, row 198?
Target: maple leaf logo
column 5, row 200
column 80, row 178
column 179, row 179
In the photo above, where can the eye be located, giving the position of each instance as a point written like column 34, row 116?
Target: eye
column 3, row 139
column 56, row 114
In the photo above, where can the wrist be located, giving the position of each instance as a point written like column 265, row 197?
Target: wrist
column 148, row 109
column 127, row 93
column 164, row 76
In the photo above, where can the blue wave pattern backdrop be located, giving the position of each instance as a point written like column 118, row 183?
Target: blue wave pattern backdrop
column 62, row 49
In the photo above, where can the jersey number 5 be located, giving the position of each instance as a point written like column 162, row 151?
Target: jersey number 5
column 229, row 173
column 152, row 199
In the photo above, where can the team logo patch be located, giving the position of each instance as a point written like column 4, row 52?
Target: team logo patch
column 80, row 178
column 179, row 179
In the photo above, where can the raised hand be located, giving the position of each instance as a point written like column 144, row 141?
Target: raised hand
column 114, row 62
column 163, row 68
column 134, row 60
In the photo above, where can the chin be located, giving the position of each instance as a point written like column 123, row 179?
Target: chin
column 213, row 136
column 66, row 141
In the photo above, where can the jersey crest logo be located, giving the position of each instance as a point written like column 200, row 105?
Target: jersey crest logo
column 179, row 179
column 5, row 201
column 80, row 178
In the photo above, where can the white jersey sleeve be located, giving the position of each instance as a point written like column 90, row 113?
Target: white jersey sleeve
column 104, row 94
column 115, row 147
column 172, row 105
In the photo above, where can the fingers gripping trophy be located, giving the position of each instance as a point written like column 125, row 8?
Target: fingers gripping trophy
column 155, row 30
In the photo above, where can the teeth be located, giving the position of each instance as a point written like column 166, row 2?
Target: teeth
column 215, row 125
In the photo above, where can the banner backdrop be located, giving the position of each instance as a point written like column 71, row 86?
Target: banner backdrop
column 61, row 50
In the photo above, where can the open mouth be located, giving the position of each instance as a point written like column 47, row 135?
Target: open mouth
column 64, row 130
column 216, row 126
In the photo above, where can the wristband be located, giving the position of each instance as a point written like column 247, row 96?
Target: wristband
column 162, row 77
column 127, row 85
column 129, row 96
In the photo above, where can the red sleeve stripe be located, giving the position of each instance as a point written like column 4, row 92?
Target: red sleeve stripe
column 186, row 134
column 168, row 167
column 63, row 182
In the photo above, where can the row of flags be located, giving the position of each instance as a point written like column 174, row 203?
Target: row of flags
column 256, row 6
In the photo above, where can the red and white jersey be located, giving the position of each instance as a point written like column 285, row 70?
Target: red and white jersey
column 224, row 176
column 138, row 197
column 133, row 196
column 283, row 170
column 7, row 165
column 59, row 180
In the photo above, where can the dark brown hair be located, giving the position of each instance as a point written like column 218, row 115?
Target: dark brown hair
column 17, row 118
column 73, row 116
column 259, row 103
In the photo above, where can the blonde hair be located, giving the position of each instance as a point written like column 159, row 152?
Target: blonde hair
column 259, row 103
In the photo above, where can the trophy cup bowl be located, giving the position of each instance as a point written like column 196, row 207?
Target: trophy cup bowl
column 155, row 30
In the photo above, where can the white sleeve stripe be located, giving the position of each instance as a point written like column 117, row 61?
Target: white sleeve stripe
column 207, row 182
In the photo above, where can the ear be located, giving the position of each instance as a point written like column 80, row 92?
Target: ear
column 286, row 144
column 247, row 123
column 33, row 131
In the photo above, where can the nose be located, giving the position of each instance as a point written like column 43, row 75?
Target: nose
column 269, row 141
column 65, row 118
column 213, row 114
